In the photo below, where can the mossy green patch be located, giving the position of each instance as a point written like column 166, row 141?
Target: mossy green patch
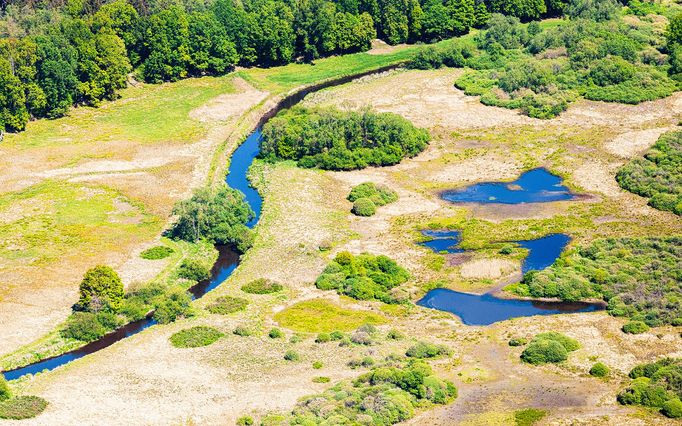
column 319, row 315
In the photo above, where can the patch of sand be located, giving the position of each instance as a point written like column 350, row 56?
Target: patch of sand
column 631, row 144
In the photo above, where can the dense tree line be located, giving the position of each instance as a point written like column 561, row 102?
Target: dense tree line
column 657, row 175
column 340, row 140
column 640, row 278
column 657, row 385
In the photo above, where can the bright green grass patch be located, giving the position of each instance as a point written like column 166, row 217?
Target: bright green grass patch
column 262, row 286
column 22, row 407
column 156, row 253
column 322, row 316
column 145, row 114
column 196, row 337
column 528, row 416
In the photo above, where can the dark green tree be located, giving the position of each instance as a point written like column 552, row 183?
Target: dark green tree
column 101, row 289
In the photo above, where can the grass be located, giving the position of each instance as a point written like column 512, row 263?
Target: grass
column 156, row 253
column 322, row 316
column 196, row 337
column 528, row 416
column 225, row 305
column 22, row 407
column 262, row 286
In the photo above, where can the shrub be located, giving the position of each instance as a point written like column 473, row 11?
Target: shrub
column 569, row 344
column 291, row 356
column 321, row 379
column 507, row 249
column 195, row 337
column 262, row 286
column 22, row 407
column 174, row 305
column 323, row 338
column 394, row 335
column 427, row 58
column 363, row 277
column 295, row 339
column 426, row 350
column 225, row 305
column 244, row 421
column 379, row 194
column 635, row 327
column 83, row 326
column 194, row 270
column 276, row 333
column 317, row 365
column 216, row 214
column 361, row 338
column 544, row 351
column 599, row 370
column 364, row 207
column 340, row 140
column 5, row 392
column 156, row 253
column 672, row 408
column 242, row 331
column 529, row 416
column 336, row 335
column 101, row 288
column 518, row 341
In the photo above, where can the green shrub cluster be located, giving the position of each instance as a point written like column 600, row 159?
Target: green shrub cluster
column 340, row 140
column 196, row 337
column 276, row 333
column 427, row 350
column 638, row 277
column 5, row 392
column 363, row 277
column 657, row 385
column 218, row 214
column 88, row 326
column 528, row 416
column 517, row 341
column 225, row 305
column 367, row 196
column 156, row 253
column 387, row 394
column 599, row 369
column 635, row 327
column 658, row 175
column 262, row 286
column 542, row 71
column 291, row 356
column 549, row 348
column 194, row 270
column 167, row 303
column 100, row 290
column 242, row 331
column 22, row 407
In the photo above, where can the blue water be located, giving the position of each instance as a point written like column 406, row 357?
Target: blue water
column 443, row 241
column 487, row 309
column 237, row 176
column 227, row 262
column 533, row 186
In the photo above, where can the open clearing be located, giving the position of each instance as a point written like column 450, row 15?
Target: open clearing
column 144, row 380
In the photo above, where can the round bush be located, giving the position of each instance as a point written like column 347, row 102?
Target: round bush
column 195, row 337
column 599, row 370
column 244, row 421
column 544, row 351
column 242, row 331
column 672, row 408
column 156, row 253
column 517, row 341
column 225, row 305
column 5, row 392
column 83, row 326
column 262, row 286
column 291, row 356
column 101, row 288
column 194, row 270
column 364, row 207
column 635, row 327
column 317, row 365
column 323, row 338
column 22, row 407
column 569, row 344
column 276, row 333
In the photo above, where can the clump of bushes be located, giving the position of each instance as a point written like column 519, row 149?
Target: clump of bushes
column 367, row 196
column 100, row 289
column 194, row 270
column 638, row 277
column 242, row 331
column 549, row 348
column 323, row 338
column 427, row 350
column 225, row 305
column 658, row 175
column 599, row 369
column 394, row 334
column 217, row 214
column 196, row 337
column 173, row 305
column 518, row 341
column 276, row 333
column 156, row 253
column 5, row 392
column 340, row 140
column 635, row 327
column 656, row 385
column 528, row 416
column 292, row 356
column 245, row 421
column 88, row 326
column 363, row 277
column 262, row 286
column 167, row 304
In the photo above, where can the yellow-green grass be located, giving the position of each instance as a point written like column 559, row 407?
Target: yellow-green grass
column 323, row 316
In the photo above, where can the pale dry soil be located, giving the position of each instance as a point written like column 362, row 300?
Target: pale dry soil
column 36, row 294
column 144, row 380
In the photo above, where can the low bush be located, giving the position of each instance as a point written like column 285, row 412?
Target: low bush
column 5, row 392
column 363, row 277
column 364, row 207
column 245, row 421
column 599, row 369
column 426, row 350
column 173, row 305
column 394, row 335
column 22, row 407
column 549, row 348
column 323, row 338
column 195, row 337
column 317, row 365
column 292, row 356
column 321, row 379
column 518, row 341
column 379, row 194
column 83, row 326
column 262, row 286
column 276, row 333
column 656, row 385
column 528, row 416
column 635, row 327
column 672, row 408
column 568, row 343
column 156, row 253
column 336, row 335
column 100, row 289
column 242, row 331
column 194, row 270
column 361, row 338
column 225, row 305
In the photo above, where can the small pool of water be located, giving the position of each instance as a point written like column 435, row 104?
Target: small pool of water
column 443, row 241
column 533, row 186
column 487, row 309
column 237, row 176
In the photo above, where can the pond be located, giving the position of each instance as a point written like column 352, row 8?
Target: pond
column 533, row 186
column 486, row 309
